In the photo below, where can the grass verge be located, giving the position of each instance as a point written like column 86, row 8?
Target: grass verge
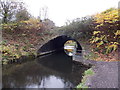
column 87, row 73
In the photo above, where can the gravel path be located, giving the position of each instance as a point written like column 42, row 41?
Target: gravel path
column 106, row 73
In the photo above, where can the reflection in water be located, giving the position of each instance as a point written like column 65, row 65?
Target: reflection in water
column 53, row 71
column 58, row 61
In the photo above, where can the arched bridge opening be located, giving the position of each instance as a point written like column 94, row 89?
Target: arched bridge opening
column 61, row 43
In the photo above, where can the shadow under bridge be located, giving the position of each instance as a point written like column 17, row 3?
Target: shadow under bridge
column 61, row 43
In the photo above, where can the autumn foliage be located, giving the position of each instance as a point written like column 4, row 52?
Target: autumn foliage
column 101, row 31
column 22, row 38
column 107, row 30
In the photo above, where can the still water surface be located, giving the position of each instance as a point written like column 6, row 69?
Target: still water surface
column 52, row 71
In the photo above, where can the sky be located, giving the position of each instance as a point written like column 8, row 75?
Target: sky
column 59, row 11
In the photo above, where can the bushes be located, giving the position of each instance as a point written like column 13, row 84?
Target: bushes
column 10, row 26
column 78, row 28
column 32, row 23
column 106, row 35
column 14, row 51
column 28, row 24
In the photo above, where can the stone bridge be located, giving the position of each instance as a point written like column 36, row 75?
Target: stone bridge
column 57, row 44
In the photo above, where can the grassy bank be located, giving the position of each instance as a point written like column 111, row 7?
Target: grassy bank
column 86, row 74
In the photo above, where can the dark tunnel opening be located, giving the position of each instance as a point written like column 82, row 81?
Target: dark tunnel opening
column 57, row 44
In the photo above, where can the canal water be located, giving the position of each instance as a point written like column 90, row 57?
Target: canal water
column 52, row 71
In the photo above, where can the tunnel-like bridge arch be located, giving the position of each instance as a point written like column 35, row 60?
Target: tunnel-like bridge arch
column 57, row 44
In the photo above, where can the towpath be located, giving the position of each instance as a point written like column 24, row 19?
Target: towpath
column 106, row 73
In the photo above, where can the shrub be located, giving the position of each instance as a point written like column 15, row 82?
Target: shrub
column 106, row 35
column 32, row 23
column 78, row 28
column 10, row 26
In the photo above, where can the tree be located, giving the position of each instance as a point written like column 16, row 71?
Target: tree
column 22, row 15
column 79, row 28
column 8, row 9
column 43, row 15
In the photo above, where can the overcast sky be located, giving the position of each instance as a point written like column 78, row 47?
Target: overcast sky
column 59, row 11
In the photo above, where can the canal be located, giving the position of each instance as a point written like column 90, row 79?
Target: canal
column 55, row 70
